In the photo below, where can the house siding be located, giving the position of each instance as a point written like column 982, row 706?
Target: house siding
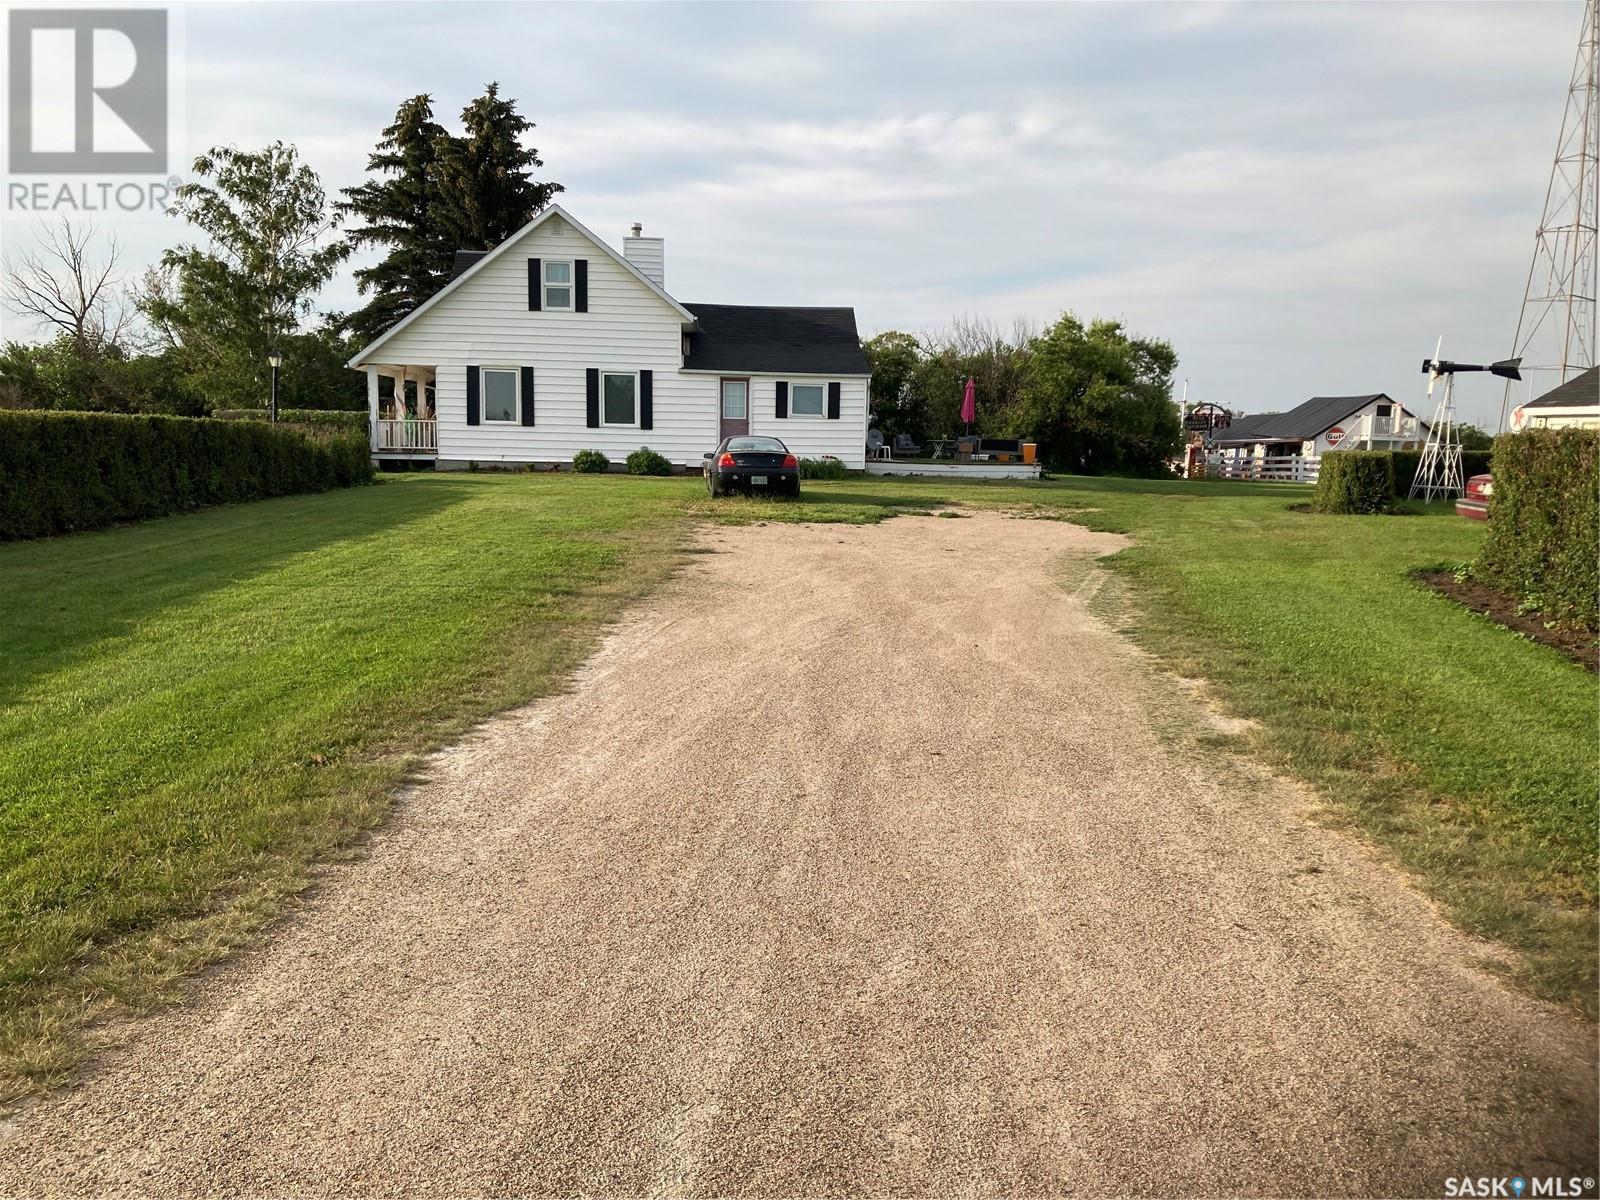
column 486, row 322
column 813, row 437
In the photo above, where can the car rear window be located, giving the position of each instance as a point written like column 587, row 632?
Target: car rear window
column 769, row 445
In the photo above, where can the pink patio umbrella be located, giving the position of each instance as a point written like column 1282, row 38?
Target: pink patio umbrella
column 969, row 405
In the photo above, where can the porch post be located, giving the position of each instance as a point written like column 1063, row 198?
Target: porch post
column 372, row 404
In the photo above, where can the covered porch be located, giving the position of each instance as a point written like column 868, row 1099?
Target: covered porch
column 401, row 416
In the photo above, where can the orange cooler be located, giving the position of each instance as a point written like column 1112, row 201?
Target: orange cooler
column 1029, row 451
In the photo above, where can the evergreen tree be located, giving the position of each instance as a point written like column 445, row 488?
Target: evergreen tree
column 400, row 211
column 485, row 189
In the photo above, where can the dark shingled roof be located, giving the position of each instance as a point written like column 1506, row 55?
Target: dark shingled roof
column 1581, row 391
column 1298, row 424
column 771, row 339
column 463, row 262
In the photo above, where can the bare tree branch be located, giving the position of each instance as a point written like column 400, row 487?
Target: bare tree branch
column 63, row 284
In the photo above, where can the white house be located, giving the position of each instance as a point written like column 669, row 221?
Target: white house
column 1289, row 446
column 1573, row 403
column 553, row 342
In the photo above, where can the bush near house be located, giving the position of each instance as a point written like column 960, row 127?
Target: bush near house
column 821, row 468
column 61, row 472
column 1355, row 481
column 1544, row 523
column 590, row 462
column 329, row 418
column 645, row 461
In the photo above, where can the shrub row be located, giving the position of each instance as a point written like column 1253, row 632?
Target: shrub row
column 61, row 472
column 1473, row 462
column 1355, row 481
column 1544, row 523
column 334, row 418
column 821, row 468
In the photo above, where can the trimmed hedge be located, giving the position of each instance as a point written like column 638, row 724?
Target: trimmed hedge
column 1406, row 462
column 1355, row 481
column 335, row 418
column 61, row 472
column 590, row 462
column 645, row 461
column 1544, row 523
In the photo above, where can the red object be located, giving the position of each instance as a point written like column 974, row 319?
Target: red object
column 1474, row 502
column 726, row 460
column 969, row 403
column 790, row 460
column 1335, row 435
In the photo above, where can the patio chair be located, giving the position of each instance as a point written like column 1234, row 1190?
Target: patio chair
column 904, row 443
column 876, row 446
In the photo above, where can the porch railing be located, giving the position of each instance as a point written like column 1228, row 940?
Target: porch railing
column 410, row 436
column 1292, row 468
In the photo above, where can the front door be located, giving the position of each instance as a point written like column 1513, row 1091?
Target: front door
column 735, row 407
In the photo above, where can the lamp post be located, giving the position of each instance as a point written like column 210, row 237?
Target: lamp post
column 276, row 359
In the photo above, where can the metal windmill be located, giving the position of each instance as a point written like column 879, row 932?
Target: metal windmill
column 1556, row 329
column 1439, row 472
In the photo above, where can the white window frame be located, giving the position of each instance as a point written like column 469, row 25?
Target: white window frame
column 633, row 375
column 571, row 285
column 821, row 414
column 722, row 403
column 483, row 396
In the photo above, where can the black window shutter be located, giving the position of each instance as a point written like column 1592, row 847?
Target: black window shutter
column 472, row 395
column 592, row 385
column 580, row 284
column 833, row 402
column 535, row 286
column 527, row 395
column 781, row 410
column 647, row 399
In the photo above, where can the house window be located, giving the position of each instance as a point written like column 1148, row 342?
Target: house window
column 499, row 393
column 557, row 284
column 805, row 400
column 619, row 394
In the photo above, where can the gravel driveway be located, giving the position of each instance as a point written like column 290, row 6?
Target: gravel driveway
column 862, row 860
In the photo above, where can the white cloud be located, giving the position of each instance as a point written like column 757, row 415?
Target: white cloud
column 1300, row 197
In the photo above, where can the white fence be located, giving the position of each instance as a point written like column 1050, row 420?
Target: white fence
column 1290, row 468
column 406, row 437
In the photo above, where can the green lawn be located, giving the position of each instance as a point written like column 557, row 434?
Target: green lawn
column 194, row 710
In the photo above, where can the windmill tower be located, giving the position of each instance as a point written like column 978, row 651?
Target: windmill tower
column 1556, row 330
column 1439, row 471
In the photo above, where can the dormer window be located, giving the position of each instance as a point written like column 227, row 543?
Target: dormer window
column 557, row 285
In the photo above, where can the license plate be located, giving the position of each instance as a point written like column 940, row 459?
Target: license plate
column 758, row 479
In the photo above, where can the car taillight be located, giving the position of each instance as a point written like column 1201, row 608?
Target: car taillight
column 726, row 461
column 790, row 460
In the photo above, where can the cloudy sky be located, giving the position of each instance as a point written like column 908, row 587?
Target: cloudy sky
column 1300, row 197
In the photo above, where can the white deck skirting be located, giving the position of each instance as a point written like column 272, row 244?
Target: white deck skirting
column 977, row 470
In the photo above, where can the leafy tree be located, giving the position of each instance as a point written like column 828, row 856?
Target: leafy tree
column 892, row 358
column 485, row 190
column 1097, row 400
column 56, row 375
column 402, row 212
column 1473, row 438
column 235, row 299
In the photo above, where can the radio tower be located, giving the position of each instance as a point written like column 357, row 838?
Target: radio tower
column 1556, row 328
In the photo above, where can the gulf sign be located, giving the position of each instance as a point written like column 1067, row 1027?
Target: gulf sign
column 1335, row 435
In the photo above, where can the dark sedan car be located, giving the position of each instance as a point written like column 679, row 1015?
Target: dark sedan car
column 752, row 464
